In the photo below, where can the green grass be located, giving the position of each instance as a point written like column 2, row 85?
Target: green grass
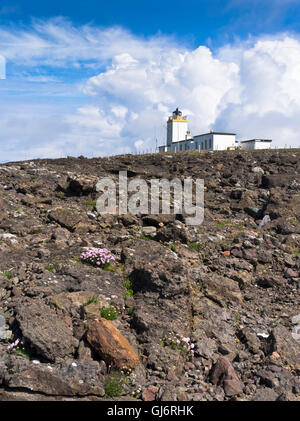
column 291, row 250
column 196, row 246
column 50, row 268
column 37, row 230
column 113, row 385
column 76, row 259
column 295, row 252
column 94, row 299
column 293, row 222
column 173, row 346
column 61, row 195
column 130, row 310
column 90, row 203
column 7, row 274
column 108, row 313
column 23, row 353
column 142, row 237
column 128, row 288
column 108, row 267
column 224, row 224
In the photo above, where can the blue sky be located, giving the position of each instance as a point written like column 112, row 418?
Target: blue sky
column 196, row 21
column 98, row 78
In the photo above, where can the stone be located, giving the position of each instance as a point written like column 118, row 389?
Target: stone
column 221, row 289
column 258, row 170
column 278, row 180
column 3, row 335
column 149, row 231
column 266, row 219
column 68, row 301
column 223, row 374
column 65, row 217
column 107, row 341
column 70, row 378
column 265, row 394
column 149, row 394
column 282, row 342
column 47, row 333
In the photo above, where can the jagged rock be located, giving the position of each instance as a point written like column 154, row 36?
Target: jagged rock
column 221, row 289
column 282, row 342
column 67, row 218
column 70, row 301
column 265, row 394
column 70, row 378
column 179, row 284
column 47, row 333
column 150, row 393
column 223, row 373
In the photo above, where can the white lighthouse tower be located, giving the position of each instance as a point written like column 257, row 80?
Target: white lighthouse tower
column 177, row 128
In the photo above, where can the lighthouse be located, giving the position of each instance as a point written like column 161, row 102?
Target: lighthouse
column 177, row 128
column 179, row 137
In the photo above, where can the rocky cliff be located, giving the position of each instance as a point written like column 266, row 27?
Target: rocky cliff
column 183, row 313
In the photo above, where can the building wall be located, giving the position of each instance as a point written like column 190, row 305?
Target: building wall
column 222, row 142
column 247, row 145
column 176, row 131
column 255, row 145
column 204, row 142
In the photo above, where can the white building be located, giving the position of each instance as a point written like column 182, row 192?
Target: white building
column 179, row 138
column 255, row 144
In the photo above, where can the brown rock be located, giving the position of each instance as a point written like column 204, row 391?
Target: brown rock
column 223, row 374
column 150, row 393
column 112, row 347
column 66, row 301
column 221, row 289
column 283, row 344
column 66, row 218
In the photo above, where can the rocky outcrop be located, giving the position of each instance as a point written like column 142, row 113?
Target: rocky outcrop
column 49, row 335
column 197, row 313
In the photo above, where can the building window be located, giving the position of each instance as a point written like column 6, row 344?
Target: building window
column 210, row 143
column 196, row 145
column 202, row 146
column 205, row 144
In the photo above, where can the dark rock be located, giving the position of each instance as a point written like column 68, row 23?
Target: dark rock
column 65, row 217
column 47, row 333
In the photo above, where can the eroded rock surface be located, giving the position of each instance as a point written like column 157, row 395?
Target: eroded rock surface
column 203, row 313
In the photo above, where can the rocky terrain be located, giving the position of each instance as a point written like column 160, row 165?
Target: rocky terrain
column 184, row 313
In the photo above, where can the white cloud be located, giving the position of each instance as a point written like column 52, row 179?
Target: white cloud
column 251, row 87
column 269, row 100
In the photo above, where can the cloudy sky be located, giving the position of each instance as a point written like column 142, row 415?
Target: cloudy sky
column 97, row 78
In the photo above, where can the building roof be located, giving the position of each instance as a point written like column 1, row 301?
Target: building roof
column 256, row 140
column 222, row 133
column 192, row 139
